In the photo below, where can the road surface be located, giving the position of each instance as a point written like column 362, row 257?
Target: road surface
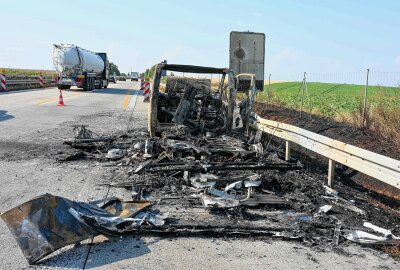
column 32, row 129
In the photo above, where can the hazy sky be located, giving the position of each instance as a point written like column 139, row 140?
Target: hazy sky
column 313, row 36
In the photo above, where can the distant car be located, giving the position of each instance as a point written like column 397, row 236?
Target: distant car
column 112, row 79
column 135, row 76
column 122, row 78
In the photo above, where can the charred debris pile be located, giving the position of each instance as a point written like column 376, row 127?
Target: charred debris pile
column 195, row 179
column 228, row 184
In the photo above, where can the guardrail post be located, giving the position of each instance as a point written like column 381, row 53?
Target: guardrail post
column 287, row 152
column 331, row 172
column 3, row 83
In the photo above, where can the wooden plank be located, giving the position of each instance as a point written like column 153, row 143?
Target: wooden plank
column 363, row 161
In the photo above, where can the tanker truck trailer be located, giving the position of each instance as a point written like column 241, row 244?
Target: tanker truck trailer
column 79, row 67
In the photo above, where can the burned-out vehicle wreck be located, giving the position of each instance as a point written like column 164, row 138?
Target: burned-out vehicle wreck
column 200, row 170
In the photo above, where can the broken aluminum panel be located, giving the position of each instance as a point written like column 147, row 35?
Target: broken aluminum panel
column 325, row 209
column 220, row 193
column 148, row 148
column 139, row 146
column 345, row 204
column 234, row 185
column 362, row 237
column 184, row 146
column 151, row 218
column 252, row 183
column 43, row 225
column 47, row 223
column 115, row 154
column 218, row 202
column 200, row 180
column 330, row 191
column 258, row 148
column 142, row 166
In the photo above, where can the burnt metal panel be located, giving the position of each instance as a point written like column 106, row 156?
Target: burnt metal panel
column 194, row 69
column 247, row 55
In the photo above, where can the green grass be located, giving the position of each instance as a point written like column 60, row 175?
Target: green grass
column 26, row 72
column 330, row 99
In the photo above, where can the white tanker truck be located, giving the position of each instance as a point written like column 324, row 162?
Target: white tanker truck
column 79, row 67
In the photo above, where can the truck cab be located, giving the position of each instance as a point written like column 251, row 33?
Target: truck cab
column 135, row 76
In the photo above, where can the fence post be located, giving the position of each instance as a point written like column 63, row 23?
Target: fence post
column 331, row 172
column 3, row 83
column 302, row 95
column 365, row 99
column 269, row 87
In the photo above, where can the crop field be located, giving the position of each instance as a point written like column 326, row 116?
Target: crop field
column 329, row 99
column 26, row 72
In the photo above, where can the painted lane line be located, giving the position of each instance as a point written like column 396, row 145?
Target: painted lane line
column 128, row 98
column 132, row 102
column 126, row 102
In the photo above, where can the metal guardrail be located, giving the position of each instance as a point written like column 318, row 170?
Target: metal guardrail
column 18, row 82
column 380, row 167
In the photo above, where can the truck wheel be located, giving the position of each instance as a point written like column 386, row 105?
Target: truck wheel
column 105, row 86
column 90, row 84
column 86, row 85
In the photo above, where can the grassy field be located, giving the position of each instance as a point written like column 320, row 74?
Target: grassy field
column 26, row 72
column 329, row 99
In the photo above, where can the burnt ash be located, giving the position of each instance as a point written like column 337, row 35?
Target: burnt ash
column 302, row 189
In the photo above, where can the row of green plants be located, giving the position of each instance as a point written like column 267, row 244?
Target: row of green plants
column 329, row 99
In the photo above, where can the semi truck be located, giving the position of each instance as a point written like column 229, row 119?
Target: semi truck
column 135, row 76
column 78, row 67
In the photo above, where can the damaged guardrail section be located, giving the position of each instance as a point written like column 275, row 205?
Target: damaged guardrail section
column 375, row 165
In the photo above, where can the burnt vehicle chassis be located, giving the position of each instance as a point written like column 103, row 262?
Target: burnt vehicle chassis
column 197, row 107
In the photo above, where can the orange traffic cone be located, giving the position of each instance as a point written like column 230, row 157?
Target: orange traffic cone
column 60, row 100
